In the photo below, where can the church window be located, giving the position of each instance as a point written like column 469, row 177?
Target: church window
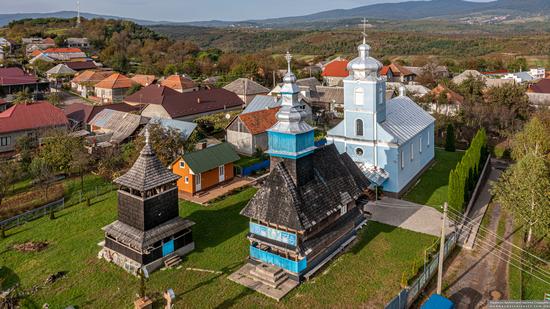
column 428, row 143
column 402, row 159
column 359, row 127
column 359, row 151
column 420, row 148
column 359, row 96
column 412, row 151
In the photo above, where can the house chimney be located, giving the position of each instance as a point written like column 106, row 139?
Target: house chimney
column 402, row 91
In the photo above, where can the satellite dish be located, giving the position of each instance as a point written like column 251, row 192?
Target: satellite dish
column 227, row 116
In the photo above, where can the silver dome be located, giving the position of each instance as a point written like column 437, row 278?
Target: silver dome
column 364, row 65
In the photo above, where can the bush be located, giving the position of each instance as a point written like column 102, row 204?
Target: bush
column 501, row 150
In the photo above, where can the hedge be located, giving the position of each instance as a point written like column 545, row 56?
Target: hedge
column 462, row 180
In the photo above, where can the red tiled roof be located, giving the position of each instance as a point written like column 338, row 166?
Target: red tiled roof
column 396, row 70
column 178, row 82
column 36, row 52
column 115, row 81
column 81, row 112
column 91, row 76
column 452, row 96
column 15, row 76
column 202, row 101
column 543, row 86
column 337, row 68
column 259, row 121
column 62, row 50
column 144, row 80
column 152, row 94
column 37, row 115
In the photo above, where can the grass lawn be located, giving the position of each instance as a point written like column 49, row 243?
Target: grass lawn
column 432, row 187
column 245, row 161
column 368, row 275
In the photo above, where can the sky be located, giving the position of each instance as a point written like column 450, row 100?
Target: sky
column 188, row 10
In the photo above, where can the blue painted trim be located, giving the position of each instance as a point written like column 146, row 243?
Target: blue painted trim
column 273, row 259
column 167, row 247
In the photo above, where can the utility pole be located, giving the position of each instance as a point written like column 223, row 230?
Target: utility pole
column 441, row 251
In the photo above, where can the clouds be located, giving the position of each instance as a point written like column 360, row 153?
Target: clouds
column 187, row 10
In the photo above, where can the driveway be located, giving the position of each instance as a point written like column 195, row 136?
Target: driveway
column 408, row 215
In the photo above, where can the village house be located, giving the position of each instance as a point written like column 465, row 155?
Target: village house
column 13, row 80
column 180, row 83
column 3, row 105
column 113, row 127
column 247, row 132
column 539, row 93
column 81, row 114
column 412, row 89
column 163, row 102
column 113, row 89
column 148, row 232
column 28, row 120
column 543, row 86
column 450, row 105
column 81, row 65
column 437, row 71
column 489, row 82
column 85, row 81
column 77, row 42
column 334, row 72
column 308, row 208
column 60, row 73
column 33, row 44
column 246, row 89
column 317, row 98
column 58, row 54
column 144, row 80
column 204, row 169
column 391, row 141
column 396, row 73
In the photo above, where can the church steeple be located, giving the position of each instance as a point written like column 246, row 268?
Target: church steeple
column 291, row 137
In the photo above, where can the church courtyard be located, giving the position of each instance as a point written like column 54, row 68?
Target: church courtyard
column 368, row 274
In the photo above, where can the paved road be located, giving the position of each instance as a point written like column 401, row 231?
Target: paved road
column 408, row 215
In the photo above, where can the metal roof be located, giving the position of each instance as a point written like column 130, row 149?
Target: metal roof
column 405, row 119
column 120, row 123
column 61, row 69
column 240, row 85
column 261, row 102
column 185, row 128
column 211, row 157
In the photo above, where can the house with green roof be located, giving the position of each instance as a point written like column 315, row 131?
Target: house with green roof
column 206, row 168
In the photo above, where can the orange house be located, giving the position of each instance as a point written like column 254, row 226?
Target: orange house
column 203, row 169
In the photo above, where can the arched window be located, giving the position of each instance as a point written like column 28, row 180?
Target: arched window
column 359, row 95
column 359, row 127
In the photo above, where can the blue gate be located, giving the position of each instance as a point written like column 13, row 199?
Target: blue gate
column 167, row 247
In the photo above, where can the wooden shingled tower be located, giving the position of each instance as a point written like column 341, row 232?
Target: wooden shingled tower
column 148, row 230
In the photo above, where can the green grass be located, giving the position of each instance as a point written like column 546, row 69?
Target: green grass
column 432, row 187
column 367, row 276
column 245, row 161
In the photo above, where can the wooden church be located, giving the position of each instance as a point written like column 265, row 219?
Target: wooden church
column 149, row 231
column 309, row 207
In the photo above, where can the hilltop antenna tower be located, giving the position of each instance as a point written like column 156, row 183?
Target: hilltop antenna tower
column 77, row 13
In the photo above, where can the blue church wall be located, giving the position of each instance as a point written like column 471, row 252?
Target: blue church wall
column 274, row 259
column 290, row 143
column 374, row 97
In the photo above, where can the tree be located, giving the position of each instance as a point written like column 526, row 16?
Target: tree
column 23, row 97
column 472, row 88
column 57, row 149
column 509, row 103
column 24, row 147
column 7, row 177
column 81, row 162
column 42, row 173
column 54, row 98
column 524, row 189
column 135, row 88
column 450, row 138
column 533, row 139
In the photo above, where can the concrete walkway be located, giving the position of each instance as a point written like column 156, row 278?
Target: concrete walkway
column 408, row 215
column 476, row 214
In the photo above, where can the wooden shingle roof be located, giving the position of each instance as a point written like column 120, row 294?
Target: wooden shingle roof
column 147, row 172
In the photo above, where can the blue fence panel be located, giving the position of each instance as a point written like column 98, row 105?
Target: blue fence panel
column 321, row 142
column 247, row 171
column 270, row 258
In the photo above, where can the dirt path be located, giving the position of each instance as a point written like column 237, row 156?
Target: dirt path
column 477, row 276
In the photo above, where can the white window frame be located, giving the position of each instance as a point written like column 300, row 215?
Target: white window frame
column 359, row 93
column 186, row 179
column 221, row 173
column 182, row 164
column 343, row 210
column 412, row 151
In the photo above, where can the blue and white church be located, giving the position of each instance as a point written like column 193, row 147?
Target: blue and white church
column 391, row 141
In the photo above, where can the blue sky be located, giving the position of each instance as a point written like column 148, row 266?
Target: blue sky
column 188, row 10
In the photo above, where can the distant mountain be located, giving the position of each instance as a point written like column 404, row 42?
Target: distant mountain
column 409, row 10
column 7, row 18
